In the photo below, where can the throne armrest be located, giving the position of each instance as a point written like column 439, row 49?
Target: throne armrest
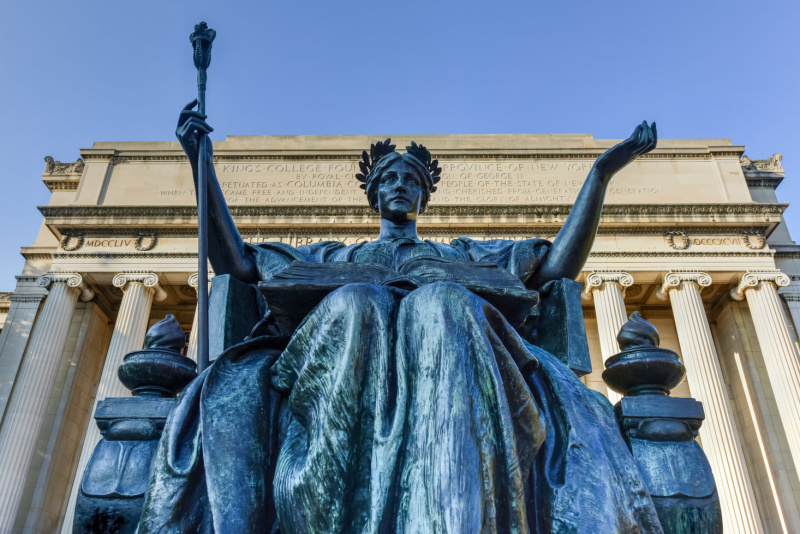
column 234, row 308
column 557, row 326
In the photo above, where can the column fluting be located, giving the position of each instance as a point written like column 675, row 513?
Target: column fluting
column 607, row 290
column 37, row 375
column 719, row 435
column 191, row 350
column 780, row 353
column 139, row 291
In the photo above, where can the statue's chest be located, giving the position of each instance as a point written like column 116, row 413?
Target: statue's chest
column 393, row 253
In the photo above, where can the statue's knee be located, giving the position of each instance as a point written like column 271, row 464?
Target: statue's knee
column 440, row 295
column 355, row 297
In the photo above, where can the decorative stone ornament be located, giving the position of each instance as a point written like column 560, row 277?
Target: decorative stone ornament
column 753, row 239
column 683, row 242
column 69, row 245
column 146, row 242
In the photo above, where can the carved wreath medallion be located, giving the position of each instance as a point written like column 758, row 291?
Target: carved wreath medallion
column 69, row 245
column 151, row 241
column 754, row 239
column 682, row 243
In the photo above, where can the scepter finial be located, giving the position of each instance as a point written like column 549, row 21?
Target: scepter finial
column 201, row 40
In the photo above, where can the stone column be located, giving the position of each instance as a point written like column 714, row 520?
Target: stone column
column 791, row 294
column 719, row 435
column 26, row 408
column 780, row 353
column 191, row 351
column 607, row 289
column 140, row 289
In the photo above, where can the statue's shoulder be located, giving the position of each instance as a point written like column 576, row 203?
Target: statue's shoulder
column 480, row 247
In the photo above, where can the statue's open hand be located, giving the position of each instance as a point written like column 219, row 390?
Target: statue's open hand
column 642, row 141
column 191, row 126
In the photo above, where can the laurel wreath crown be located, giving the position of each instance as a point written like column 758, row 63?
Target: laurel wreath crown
column 384, row 148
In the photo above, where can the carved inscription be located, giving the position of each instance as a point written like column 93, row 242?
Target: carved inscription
column 349, row 240
column 463, row 182
column 114, row 242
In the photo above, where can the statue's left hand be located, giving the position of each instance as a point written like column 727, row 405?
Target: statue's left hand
column 642, row 141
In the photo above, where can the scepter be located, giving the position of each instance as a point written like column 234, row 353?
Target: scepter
column 201, row 40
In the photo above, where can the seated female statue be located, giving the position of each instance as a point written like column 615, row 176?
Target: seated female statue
column 397, row 410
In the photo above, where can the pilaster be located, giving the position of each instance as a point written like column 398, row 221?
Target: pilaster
column 26, row 407
column 719, row 435
column 781, row 357
column 607, row 290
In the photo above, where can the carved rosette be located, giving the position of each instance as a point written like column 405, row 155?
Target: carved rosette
column 596, row 279
column 73, row 280
column 145, row 278
column 752, row 279
column 674, row 279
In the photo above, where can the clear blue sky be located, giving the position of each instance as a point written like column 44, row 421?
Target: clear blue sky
column 82, row 71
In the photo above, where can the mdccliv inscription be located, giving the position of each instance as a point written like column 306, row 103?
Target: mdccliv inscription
column 401, row 384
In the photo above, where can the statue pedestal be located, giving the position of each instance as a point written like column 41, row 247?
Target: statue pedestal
column 112, row 489
column 660, row 431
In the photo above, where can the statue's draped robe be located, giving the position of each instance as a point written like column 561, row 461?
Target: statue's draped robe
column 390, row 411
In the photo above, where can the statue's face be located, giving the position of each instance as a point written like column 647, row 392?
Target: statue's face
column 400, row 193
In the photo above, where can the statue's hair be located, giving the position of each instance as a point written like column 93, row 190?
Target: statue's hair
column 382, row 156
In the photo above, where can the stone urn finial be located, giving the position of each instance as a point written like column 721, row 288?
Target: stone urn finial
column 158, row 370
column 642, row 368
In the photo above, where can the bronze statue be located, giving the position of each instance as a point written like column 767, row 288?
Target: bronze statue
column 397, row 407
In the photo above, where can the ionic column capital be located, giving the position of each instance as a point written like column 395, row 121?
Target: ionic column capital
column 674, row 279
column 596, row 279
column 146, row 278
column 73, row 280
column 194, row 280
column 752, row 279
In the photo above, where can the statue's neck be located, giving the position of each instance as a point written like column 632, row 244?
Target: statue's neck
column 394, row 230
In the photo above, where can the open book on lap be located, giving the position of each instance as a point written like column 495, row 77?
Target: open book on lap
column 294, row 291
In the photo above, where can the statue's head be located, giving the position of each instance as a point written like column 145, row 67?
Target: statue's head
column 398, row 186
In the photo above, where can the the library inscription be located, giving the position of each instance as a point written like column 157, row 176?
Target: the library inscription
column 463, row 182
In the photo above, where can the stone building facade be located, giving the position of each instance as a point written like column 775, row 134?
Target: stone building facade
column 691, row 236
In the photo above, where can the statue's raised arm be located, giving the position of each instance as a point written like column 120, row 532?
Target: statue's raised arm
column 571, row 246
column 226, row 250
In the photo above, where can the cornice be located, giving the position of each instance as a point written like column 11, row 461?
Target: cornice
column 222, row 155
column 251, row 230
column 83, row 212
column 792, row 254
column 771, row 183
column 599, row 254
column 62, row 185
